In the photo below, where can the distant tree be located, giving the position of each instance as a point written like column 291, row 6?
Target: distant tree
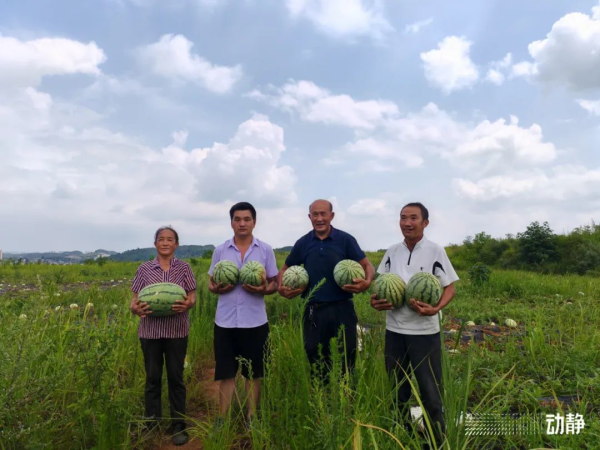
column 538, row 244
column 208, row 254
column 101, row 260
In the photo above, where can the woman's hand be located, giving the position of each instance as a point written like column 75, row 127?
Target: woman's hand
column 182, row 306
column 139, row 308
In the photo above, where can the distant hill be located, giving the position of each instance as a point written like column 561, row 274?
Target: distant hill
column 144, row 254
column 283, row 249
column 60, row 257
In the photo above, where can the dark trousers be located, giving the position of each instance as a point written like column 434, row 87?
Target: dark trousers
column 322, row 322
column 423, row 353
column 172, row 353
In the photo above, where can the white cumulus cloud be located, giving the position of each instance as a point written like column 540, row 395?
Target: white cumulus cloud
column 172, row 57
column 415, row 27
column 449, row 67
column 25, row 63
column 316, row 104
column 569, row 56
column 343, row 18
column 591, row 106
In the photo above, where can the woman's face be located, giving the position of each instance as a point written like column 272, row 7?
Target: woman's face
column 165, row 243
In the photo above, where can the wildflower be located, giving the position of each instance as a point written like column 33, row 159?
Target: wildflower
column 453, row 351
column 57, row 294
column 558, row 295
column 57, row 308
column 114, row 307
column 74, row 306
column 185, row 363
column 23, row 317
column 581, row 293
column 89, row 306
column 492, row 324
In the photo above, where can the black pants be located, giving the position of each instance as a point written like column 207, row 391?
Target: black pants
column 423, row 353
column 172, row 352
column 231, row 344
column 322, row 322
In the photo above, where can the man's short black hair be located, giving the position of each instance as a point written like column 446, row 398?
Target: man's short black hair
column 243, row 206
column 424, row 211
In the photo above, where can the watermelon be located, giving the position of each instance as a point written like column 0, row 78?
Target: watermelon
column 347, row 270
column 295, row 277
column 226, row 272
column 253, row 273
column 424, row 287
column 390, row 287
column 160, row 297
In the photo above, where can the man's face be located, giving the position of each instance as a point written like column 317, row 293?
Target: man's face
column 242, row 223
column 412, row 223
column 320, row 216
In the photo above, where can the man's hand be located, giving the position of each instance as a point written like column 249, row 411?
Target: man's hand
column 182, row 306
column 259, row 290
column 140, row 309
column 288, row 292
column 424, row 309
column 380, row 305
column 359, row 285
column 220, row 289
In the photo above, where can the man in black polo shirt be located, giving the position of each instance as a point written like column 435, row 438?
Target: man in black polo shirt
column 331, row 306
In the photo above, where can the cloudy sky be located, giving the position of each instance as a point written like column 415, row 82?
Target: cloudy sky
column 118, row 116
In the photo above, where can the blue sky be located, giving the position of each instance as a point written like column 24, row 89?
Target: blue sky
column 118, row 116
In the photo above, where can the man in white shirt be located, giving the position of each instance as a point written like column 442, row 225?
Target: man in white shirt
column 413, row 330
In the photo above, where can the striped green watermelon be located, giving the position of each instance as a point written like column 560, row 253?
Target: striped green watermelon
column 295, row 277
column 160, row 297
column 226, row 272
column 347, row 270
column 253, row 273
column 424, row 287
column 390, row 287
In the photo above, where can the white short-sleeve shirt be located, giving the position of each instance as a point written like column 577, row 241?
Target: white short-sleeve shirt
column 428, row 257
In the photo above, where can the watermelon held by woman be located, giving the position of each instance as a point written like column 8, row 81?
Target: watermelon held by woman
column 161, row 297
column 424, row 287
column 295, row 277
column 226, row 272
column 347, row 270
column 253, row 273
column 390, row 287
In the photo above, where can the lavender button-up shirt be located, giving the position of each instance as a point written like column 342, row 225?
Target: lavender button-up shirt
column 238, row 308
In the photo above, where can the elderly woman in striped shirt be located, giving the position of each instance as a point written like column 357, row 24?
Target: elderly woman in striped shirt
column 165, row 337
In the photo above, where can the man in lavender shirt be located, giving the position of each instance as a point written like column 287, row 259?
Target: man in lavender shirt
column 241, row 327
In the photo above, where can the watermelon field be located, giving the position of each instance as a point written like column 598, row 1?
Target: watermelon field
column 72, row 376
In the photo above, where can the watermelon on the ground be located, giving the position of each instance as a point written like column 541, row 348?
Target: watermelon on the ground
column 390, row 287
column 226, row 272
column 347, row 270
column 253, row 273
column 295, row 277
column 423, row 287
column 161, row 297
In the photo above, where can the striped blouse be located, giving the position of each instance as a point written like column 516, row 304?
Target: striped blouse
column 177, row 325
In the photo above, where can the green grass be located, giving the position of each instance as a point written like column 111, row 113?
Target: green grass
column 74, row 378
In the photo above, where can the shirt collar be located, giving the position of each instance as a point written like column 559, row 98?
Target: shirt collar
column 231, row 243
column 418, row 244
column 333, row 234
column 156, row 264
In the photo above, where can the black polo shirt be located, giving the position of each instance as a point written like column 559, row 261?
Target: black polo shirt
column 320, row 257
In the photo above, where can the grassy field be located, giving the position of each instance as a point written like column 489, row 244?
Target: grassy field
column 72, row 376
